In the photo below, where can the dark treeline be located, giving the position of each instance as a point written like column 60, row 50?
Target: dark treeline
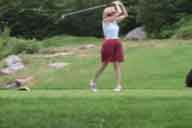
column 41, row 18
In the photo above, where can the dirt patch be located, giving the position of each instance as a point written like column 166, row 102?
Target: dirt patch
column 82, row 51
column 149, row 44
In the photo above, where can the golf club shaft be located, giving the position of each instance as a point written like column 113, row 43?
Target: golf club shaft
column 83, row 10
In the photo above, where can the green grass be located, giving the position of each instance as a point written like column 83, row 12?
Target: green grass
column 149, row 65
column 154, row 95
column 133, row 108
column 58, row 41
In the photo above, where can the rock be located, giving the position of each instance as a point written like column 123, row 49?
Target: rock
column 24, row 80
column 11, row 85
column 6, row 71
column 88, row 46
column 14, row 63
column 58, row 65
column 56, row 55
column 20, row 84
column 137, row 34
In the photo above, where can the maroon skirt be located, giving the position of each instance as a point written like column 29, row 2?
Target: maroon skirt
column 112, row 51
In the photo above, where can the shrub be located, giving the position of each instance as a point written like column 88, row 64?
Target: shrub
column 184, row 30
column 16, row 46
column 160, row 16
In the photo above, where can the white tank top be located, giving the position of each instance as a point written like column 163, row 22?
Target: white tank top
column 111, row 30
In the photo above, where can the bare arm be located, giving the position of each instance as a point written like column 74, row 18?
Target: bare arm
column 124, row 13
column 109, row 18
column 116, row 13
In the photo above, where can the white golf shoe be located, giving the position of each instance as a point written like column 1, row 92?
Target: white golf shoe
column 118, row 89
column 93, row 86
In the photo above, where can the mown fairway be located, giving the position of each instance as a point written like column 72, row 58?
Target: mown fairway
column 154, row 95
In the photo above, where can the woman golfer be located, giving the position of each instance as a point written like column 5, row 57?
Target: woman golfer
column 111, row 51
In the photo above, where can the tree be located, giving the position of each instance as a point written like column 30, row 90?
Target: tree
column 159, row 16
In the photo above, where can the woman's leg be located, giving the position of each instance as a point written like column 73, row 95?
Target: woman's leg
column 117, row 68
column 99, row 72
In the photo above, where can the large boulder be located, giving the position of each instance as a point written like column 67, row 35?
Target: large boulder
column 14, row 63
column 137, row 34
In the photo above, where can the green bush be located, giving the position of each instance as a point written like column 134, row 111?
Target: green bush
column 42, row 19
column 160, row 16
column 15, row 46
column 168, row 31
column 184, row 30
column 2, row 48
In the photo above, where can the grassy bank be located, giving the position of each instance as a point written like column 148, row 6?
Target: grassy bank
column 154, row 95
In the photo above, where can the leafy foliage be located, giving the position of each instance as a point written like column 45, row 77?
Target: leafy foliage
column 42, row 19
column 15, row 46
column 184, row 30
column 159, row 16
